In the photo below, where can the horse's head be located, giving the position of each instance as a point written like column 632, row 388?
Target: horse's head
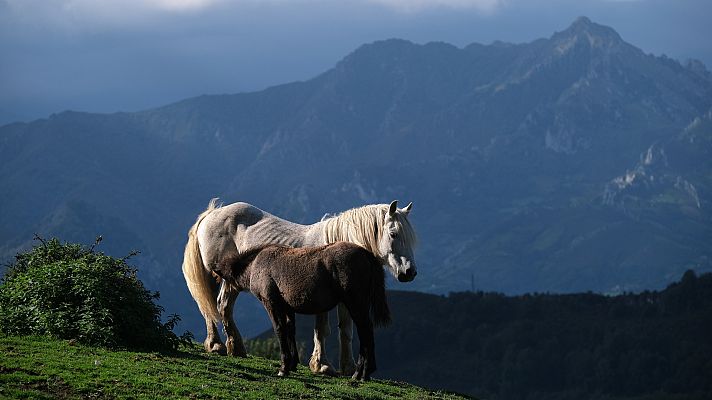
column 396, row 242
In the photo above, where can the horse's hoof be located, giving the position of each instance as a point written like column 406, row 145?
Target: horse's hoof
column 321, row 368
column 216, row 348
column 348, row 369
column 241, row 354
column 236, row 350
column 326, row 370
column 282, row 374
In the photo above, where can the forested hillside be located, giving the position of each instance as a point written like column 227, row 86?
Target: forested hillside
column 651, row 345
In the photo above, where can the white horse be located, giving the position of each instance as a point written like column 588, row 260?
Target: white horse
column 221, row 232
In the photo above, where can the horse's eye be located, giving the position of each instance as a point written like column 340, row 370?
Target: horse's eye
column 393, row 235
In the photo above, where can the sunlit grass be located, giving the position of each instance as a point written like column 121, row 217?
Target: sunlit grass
column 41, row 368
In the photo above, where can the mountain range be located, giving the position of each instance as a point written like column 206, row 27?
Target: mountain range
column 572, row 163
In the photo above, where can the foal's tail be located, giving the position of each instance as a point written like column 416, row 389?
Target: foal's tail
column 200, row 283
column 380, row 312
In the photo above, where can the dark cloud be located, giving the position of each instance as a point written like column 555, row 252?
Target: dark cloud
column 105, row 55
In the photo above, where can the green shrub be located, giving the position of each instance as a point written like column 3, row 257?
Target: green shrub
column 69, row 291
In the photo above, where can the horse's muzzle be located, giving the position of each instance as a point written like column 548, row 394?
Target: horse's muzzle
column 408, row 276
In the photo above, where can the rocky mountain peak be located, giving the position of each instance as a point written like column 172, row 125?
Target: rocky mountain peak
column 584, row 31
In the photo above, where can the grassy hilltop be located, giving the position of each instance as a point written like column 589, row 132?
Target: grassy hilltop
column 42, row 368
column 76, row 323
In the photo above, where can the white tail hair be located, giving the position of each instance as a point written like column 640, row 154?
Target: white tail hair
column 200, row 282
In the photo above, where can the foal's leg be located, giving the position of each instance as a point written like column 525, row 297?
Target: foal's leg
column 346, row 361
column 279, row 324
column 318, row 363
column 292, row 341
column 226, row 303
column 367, row 354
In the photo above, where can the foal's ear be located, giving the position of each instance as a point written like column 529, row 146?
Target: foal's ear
column 393, row 208
column 407, row 208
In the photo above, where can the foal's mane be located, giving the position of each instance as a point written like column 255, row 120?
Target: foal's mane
column 364, row 226
column 233, row 266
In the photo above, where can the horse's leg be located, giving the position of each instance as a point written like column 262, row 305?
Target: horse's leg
column 346, row 360
column 213, row 343
column 226, row 303
column 291, row 335
column 318, row 363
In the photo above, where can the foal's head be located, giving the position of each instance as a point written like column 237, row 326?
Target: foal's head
column 231, row 267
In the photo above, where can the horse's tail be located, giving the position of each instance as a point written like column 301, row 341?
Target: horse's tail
column 200, row 282
column 380, row 312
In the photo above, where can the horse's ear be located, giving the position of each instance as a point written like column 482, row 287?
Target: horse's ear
column 393, row 208
column 407, row 208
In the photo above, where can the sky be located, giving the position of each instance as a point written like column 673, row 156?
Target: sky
column 129, row 55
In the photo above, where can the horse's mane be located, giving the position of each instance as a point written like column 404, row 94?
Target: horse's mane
column 364, row 226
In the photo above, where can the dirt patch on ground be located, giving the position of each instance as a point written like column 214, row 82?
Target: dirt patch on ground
column 53, row 387
column 10, row 370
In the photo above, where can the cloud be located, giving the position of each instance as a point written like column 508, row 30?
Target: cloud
column 76, row 14
column 82, row 6
column 132, row 12
column 411, row 6
column 181, row 5
column 54, row 20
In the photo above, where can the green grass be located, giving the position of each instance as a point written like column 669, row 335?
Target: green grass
column 42, row 368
